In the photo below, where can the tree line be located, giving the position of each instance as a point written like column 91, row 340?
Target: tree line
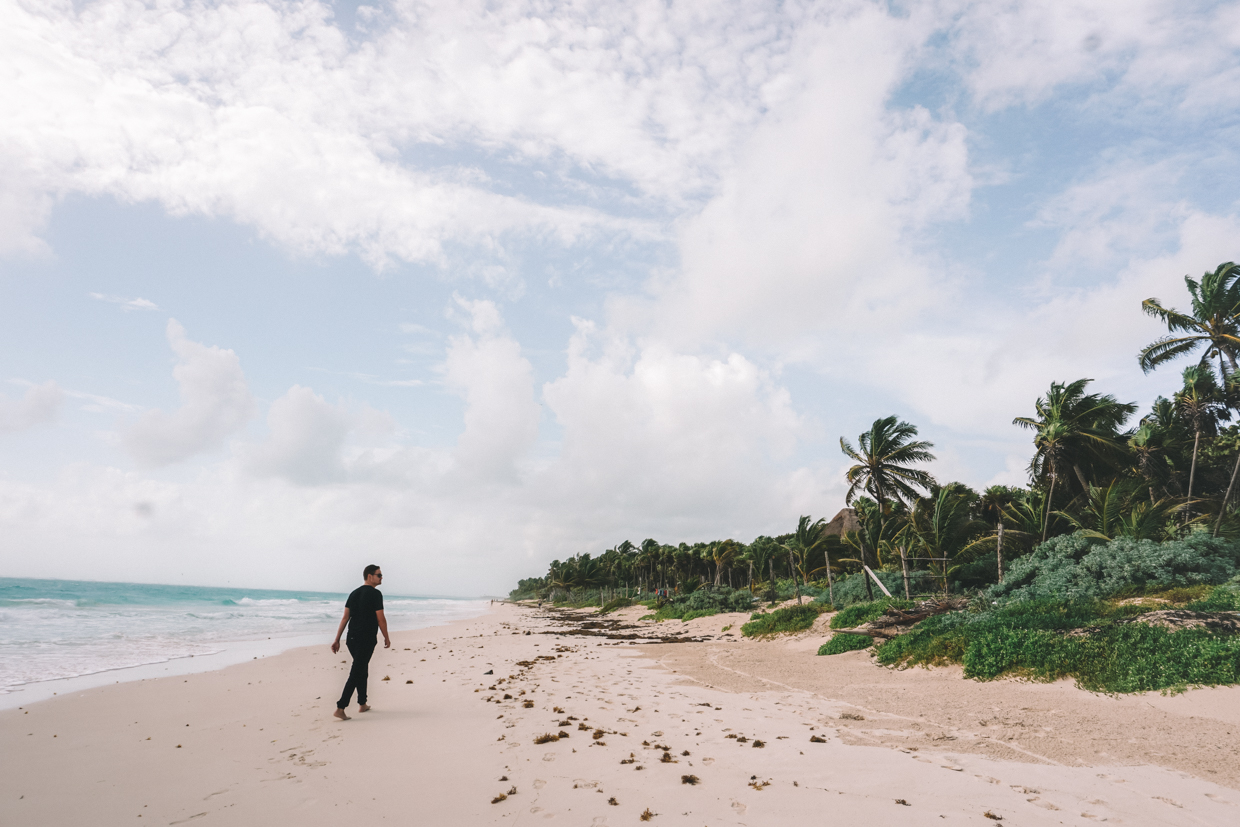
column 1094, row 469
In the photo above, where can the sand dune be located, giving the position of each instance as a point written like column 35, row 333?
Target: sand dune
column 722, row 731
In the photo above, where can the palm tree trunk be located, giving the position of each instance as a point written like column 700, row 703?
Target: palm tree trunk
column 1081, row 476
column 793, row 571
column 771, row 564
column 1050, row 495
column 1227, row 497
column 865, row 561
column 1192, row 472
column 830, row 585
column 750, row 584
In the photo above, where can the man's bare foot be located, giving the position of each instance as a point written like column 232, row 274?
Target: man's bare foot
column 364, row 708
column 339, row 713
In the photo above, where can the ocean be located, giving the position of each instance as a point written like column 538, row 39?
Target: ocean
column 55, row 631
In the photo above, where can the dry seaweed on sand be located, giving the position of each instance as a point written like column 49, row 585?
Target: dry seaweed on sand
column 647, row 815
column 689, row 779
column 499, row 798
column 546, row 738
column 814, row 739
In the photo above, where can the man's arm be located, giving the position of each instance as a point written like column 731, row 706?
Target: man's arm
column 340, row 631
column 387, row 642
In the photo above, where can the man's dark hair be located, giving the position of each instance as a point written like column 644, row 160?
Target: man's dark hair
column 369, row 570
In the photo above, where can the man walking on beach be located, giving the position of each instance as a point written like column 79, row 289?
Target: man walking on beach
column 363, row 612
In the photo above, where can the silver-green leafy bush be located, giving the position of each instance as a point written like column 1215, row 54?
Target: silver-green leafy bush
column 1074, row 567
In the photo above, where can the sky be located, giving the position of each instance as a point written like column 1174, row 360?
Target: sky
column 459, row 288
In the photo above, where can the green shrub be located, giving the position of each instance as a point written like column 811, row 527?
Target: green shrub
column 705, row 602
column 859, row 613
column 1220, row 599
column 1075, row 567
column 851, row 589
column 844, row 642
column 1046, row 639
column 780, row 621
column 617, row 603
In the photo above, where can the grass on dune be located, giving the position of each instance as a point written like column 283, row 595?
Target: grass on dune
column 859, row 613
column 1046, row 640
column 842, row 642
column 783, row 621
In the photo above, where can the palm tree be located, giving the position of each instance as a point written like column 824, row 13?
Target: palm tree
column 875, row 532
column 806, row 538
column 763, row 550
column 1121, row 509
column 990, row 506
column 943, row 526
column 1214, row 321
column 1200, row 405
column 724, row 554
column 883, row 456
column 1071, row 429
column 1159, row 433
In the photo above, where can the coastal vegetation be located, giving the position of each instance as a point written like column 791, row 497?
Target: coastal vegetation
column 783, row 621
column 1125, row 516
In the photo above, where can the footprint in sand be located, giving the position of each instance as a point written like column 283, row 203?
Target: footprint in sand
column 539, row 783
column 739, row 807
column 1045, row 805
column 549, row 756
column 1166, row 800
column 708, row 761
column 1218, row 798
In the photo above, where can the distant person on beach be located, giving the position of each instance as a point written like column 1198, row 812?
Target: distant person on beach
column 363, row 613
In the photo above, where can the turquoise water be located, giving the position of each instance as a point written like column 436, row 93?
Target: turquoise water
column 52, row 629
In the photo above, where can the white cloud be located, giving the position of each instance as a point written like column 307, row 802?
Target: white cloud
column 816, row 227
column 37, row 406
column 215, row 403
column 378, row 142
column 306, row 441
column 126, row 304
column 496, row 382
column 986, row 363
column 1151, row 51
column 668, row 441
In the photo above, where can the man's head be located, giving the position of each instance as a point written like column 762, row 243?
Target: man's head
column 373, row 575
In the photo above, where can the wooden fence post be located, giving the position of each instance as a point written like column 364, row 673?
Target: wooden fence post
column 1000, row 551
column 904, row 565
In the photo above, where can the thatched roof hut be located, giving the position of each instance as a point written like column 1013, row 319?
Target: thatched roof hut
column 844, row 521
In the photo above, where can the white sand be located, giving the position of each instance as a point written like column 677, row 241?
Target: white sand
column 258, row 745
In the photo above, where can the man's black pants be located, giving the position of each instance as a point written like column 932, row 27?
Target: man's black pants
column 361, row 652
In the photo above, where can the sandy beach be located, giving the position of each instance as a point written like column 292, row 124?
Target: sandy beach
column 710, row 730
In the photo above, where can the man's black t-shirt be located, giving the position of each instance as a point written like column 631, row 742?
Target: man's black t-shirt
column 362, row 605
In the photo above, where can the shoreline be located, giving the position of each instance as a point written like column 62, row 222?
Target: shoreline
column 230, row 653
column 256, row 740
